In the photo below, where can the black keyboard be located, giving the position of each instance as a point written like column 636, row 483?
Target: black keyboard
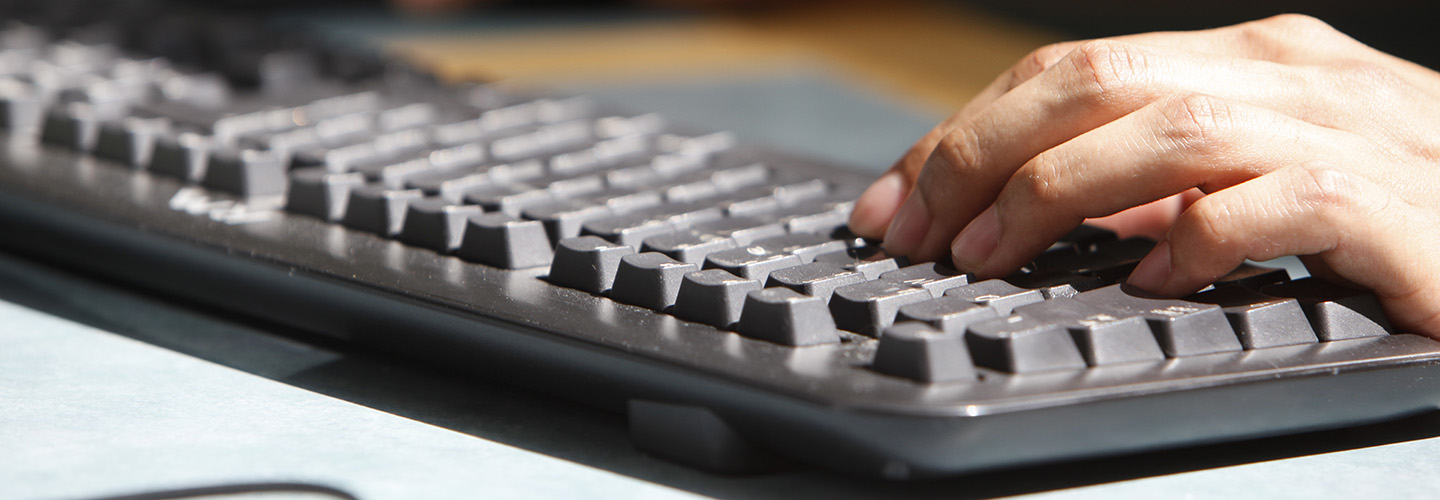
column 709, row 290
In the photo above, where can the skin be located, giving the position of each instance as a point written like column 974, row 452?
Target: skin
column 1276, row 137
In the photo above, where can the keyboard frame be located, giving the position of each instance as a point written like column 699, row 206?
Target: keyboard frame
column 819, row 404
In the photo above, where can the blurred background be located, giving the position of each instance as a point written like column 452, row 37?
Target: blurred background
column 854, row 82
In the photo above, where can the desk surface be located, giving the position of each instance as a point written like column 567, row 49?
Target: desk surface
column 108, row 391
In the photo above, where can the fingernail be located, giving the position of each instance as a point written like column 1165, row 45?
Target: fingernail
column 977, row 241
column 1154, row 270
column 909, row 227
column 877, row 205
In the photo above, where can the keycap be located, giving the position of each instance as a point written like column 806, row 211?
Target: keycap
column 1018, row 344
column 688, row 246
column 816, row 279
column 695, row 243
column 1335, row 312
column 1182, row 328
column 1102, row 254
column 650, row 280
column 503, row 241
column 632, row 228
column 786, row 317
column 565, row 218
column 249, row 173
column 21, row 110
column 378, row 210
column 713, row 297
column 1102, row 338
column 869, row 261
column 920, row 352
column 184, row 156
column 587, row 263
column 998, row 294
column 750, row 262
column 1055, row 283
column 868, row 308
column 75, row 126
column 317, row 192
column 1252, row 277
column 1260, row 320
column 439, row 225
column 802, row 245
column 948, row 314
column 131, row 141
column 450, row 185
column 934, row 277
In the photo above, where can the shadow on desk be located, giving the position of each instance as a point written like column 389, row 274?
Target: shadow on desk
column 500, row 412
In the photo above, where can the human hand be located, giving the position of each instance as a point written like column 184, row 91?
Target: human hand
column 1271, row 138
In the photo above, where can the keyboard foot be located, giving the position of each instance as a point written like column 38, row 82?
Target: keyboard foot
column 696, row 437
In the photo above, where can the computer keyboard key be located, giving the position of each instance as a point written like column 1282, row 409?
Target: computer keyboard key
column 379, row 210
column 695, row 243
column 802, row 245
column 587, row 263
column 750, row 262
column 922, row 353
column 713, row 297
column 868, row 308
column 1253, row 277
column 1019, row 344
column 1102, row 254
column 1102, row 338
column 1182, row 328
column 998, row 294
column 503, row 241
column 75, row 126
column 650, row 280
column 816, row 279
column 20, row 109
column 565, row 218
column 131, row 141
column 632, row 228
column 1336, row 312
column 438, row 224
column 1084, row 237
column 934, row 277
column 184, row 156
column 687, row 246
column 820, row 223
column 1260, row 320
column 249, row 173
column 947, row 314
column 786, row 317
column 1055, row 284
column 729, row 179
column 869, row 261
column 317, row 192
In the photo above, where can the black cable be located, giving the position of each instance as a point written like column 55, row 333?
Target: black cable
column 237, row 488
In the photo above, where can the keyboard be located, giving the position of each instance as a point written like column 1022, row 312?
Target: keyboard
column 709, row 290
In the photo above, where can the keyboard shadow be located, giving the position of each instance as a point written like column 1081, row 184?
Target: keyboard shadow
column 501, row 412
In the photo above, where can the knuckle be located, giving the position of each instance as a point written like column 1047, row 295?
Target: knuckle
column 1197, row 121
column 1285, row 32
column 1292, row 24
column 1043, row 178
column 1036, row 62
column 958, row 152
column 1109, row 67
column 1210, row 224
column 1333, row 193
